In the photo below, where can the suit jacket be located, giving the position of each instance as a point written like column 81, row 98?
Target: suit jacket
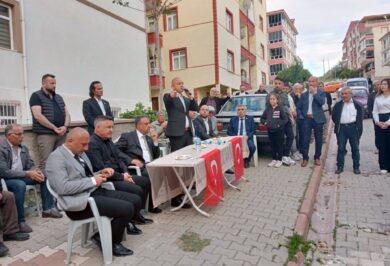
column 6, row 161
column 200, row 128
column 91, row 110
column 249, row 126
column 318, row 101
column 67, row 178
column 130, row 147
column 104, row 154
column 336, row 116
column 177, row 115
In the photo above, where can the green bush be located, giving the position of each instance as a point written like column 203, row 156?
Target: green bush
column 139, row 109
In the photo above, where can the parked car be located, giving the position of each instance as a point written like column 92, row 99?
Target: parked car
column 255, row 104
column 356, row 83
column 360, row 95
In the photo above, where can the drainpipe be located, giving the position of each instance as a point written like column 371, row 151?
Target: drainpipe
column 24, row 57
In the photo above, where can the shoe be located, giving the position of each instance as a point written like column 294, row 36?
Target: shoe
column 18, row 236
column 278, row 164
column 229, row 171
column 285, row 161
column 338, row 171
column 272, row 164
column 24, row 228
column 317, row 162
column 3, row 250
column 246, row 164
column 175, row 202
column 155, row 210
column 52, row 213
column 356, row 171
column 292, row 162
column 296, row 156
column 304, row 163
column 131, row 229
column 142, row 220
column 119, row 250
column 383, row 171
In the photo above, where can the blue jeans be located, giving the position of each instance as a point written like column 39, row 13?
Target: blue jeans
column 307, row 126
column 18, row 187
column 348, row 132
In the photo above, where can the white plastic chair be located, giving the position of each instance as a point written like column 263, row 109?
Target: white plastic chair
column 28, row 188
column 103, row 224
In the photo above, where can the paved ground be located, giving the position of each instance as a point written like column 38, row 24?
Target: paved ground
column 362, row 219
column 246, row 229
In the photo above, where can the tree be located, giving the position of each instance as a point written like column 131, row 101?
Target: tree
column 295, row 74
column 348, row 73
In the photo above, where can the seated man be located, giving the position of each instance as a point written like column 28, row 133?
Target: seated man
column 71, row 177
column 159, row 127
column 202, row 124
column 17, row 169
column 104, row 154
column 243, row 125
column 138, row 149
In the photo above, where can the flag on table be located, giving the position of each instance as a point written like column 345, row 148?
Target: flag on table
column 214, row 174
column 236, row 143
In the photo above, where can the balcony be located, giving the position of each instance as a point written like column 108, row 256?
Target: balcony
column 247, row 55
column 247, row 22
column 152, row 38
column 154, row 79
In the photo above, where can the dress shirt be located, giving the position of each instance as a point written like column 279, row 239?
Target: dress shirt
column 206, row 122
column 243, row 125
column 101, row 105
column 310, row 108
column 185, row 110
column 71, row 153
column 146, row 152
column 381, row 106
column 348, row 114
column 17, row 164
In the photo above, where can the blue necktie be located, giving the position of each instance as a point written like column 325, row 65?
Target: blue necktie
column 241, row 127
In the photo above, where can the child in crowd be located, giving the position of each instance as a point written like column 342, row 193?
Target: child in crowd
column 275, row 117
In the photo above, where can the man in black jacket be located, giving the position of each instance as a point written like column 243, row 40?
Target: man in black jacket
column 202, row 124
column 95, row 105
column 138, row 149
column 215, row 100
column 347, row 116
column 103, row 153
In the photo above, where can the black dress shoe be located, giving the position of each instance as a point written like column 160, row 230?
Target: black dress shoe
column 338, row 171
column 356, row 171
column 155, row 210
column 18, row 236
column 3, row 250
column 246, row 164
column 119, row 250
column 176, row 203
column 142, row 220
column 131, row 229
column 229, row 171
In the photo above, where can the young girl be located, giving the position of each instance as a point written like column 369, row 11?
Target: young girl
column 275, row 117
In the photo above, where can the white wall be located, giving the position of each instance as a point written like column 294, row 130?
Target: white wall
column 381, row 71
column 80, row 44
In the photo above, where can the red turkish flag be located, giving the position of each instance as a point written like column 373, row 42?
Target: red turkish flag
column 214, row 188
column 237, row 156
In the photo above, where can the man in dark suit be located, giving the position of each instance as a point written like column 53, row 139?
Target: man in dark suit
column 202, row 124
column 138, row 149
column 243, row 125
column 95, row 105
column 104, row 154
column 179, row 124
column 347, row 116
column 312, row 117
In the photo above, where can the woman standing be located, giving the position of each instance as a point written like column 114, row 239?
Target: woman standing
column 381, row 115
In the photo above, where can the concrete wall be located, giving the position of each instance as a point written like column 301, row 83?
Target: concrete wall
column 121, row 126
column 381, row 71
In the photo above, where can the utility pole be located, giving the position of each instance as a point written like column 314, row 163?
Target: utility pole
column 323, row 66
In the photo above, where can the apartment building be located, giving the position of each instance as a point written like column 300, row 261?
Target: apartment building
column 219, row 43
column 385, row 49
column 363, row 46
column 282, row 44
column 77, row 40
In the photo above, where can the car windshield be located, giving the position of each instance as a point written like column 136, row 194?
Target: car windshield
column 253, row 104
column 361, row 83
column 359, row 93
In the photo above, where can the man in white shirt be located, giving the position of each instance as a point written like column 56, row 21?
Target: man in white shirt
column 242, row 91
column 347, row 116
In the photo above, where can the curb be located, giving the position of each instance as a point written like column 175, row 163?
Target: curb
column 306, row 210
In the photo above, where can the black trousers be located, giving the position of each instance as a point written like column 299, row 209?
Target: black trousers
column 384, row 144
column 376, row 129
column 288, row 131
column 180, row 142
column 145, row 174
column 140, row 189
column 113, row 204
column 276, row 140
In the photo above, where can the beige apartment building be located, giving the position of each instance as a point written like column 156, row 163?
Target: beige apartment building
column 219, row 43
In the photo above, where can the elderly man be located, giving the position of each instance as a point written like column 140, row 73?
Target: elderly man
column 261, row 90
column 202, row 124
column 242, row 91
column 312, row 117
column 159, row 126
column 348, row 116
column 214, row 99
column 72, row 178
column 243, row 125
column 18, row 170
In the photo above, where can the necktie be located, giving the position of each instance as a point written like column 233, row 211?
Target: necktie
column 241, row 127
column 84, row 165
column 147, row 147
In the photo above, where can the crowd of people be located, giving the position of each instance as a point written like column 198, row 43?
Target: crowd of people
column 73, row 164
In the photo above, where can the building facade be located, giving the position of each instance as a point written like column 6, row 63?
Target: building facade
column 78, row 41
column 218, row 43
column 282, row 44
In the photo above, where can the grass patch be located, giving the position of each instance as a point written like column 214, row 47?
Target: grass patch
column 192, row 242
column 297, row 243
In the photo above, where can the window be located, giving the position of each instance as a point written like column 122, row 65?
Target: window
column 178, row 59
column 369, row 43
column 230, row 61
column 150, row 23
column 5, row 27
column 262, row 51
column 263, row 78
column 171, row 20
column 275, row 20
column 8, row 113
column 261, row 23
column 244, row 76
column 229, row 21
column 276, row 36
column 275, row 69
column 276, row 53
column 369, row 54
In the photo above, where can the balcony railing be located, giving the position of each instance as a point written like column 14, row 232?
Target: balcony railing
column 248, row 55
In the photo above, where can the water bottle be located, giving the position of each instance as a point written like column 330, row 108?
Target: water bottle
column 197, row 143
column 219, row 141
